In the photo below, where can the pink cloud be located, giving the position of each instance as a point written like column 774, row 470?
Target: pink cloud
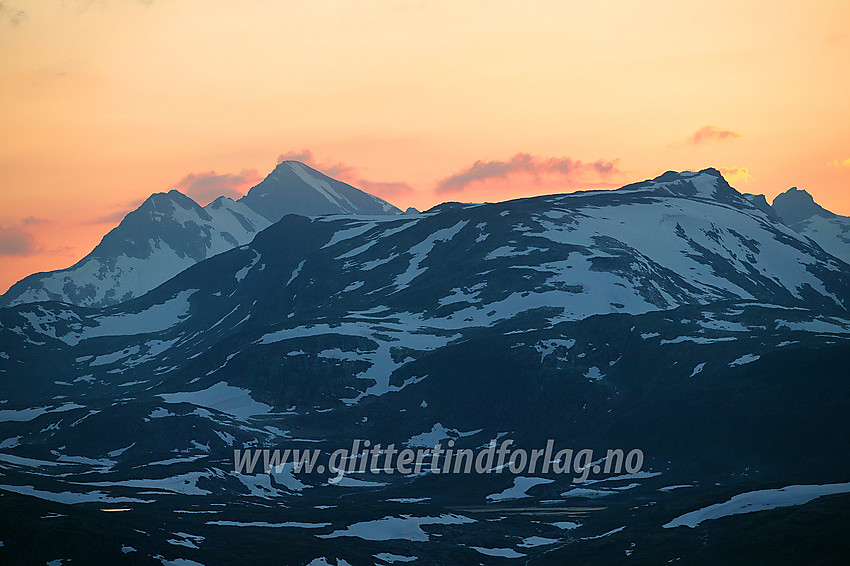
column 564, row 168
column 710, row 134
column 35, row 221
column 17, row 241
column 206, row 187
column 122, row 210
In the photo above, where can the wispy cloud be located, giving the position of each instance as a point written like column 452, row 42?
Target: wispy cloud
column 736, row 174
column 206, row 187
column 35, row 221
column 85, row 5
column 48, row 75
column 17, row 241
column 566, row 169
column 111, row 218
column 14, row 15
column 121, row 210
column 839, row 164
column 709, row 134
column 384, row 189
column 348, row 174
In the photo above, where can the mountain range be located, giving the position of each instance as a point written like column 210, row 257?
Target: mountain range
column 169, row 232
column 675, row 315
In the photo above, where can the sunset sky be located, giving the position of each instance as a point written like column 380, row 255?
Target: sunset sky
column 104, row 102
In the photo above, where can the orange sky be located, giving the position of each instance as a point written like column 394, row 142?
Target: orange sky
column 103, row 102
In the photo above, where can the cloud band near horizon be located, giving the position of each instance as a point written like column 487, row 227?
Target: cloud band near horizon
column 18, row 240
column 206, row 187
column 566, row 168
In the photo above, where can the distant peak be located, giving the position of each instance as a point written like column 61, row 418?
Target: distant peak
column 171, row 195
column 166, row 202
column 296, row 188
column 760, row 203
column 156, row 200
column 672, row 176
column 796, row 193
column 219, row 202
column 289, row 168
column 448, row 205
column 290, row 164
column 706, row 184
column 796, row 205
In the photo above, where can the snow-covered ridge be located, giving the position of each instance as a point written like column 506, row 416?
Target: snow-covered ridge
column 380, row 292
column 166, row 234
column 635, row 250
column 755, row 501
column 170, row 232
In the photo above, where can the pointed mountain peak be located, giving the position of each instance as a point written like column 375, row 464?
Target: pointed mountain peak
column 164, row 202
column 296, row 188
column 796, row 205
column 291, row 163
column 291, row 167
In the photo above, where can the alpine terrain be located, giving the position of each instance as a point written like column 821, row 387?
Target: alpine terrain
column 170, row 231
column 674, row 319
column 798, row 210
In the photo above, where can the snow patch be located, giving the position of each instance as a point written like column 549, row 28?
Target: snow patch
column 761, row 500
